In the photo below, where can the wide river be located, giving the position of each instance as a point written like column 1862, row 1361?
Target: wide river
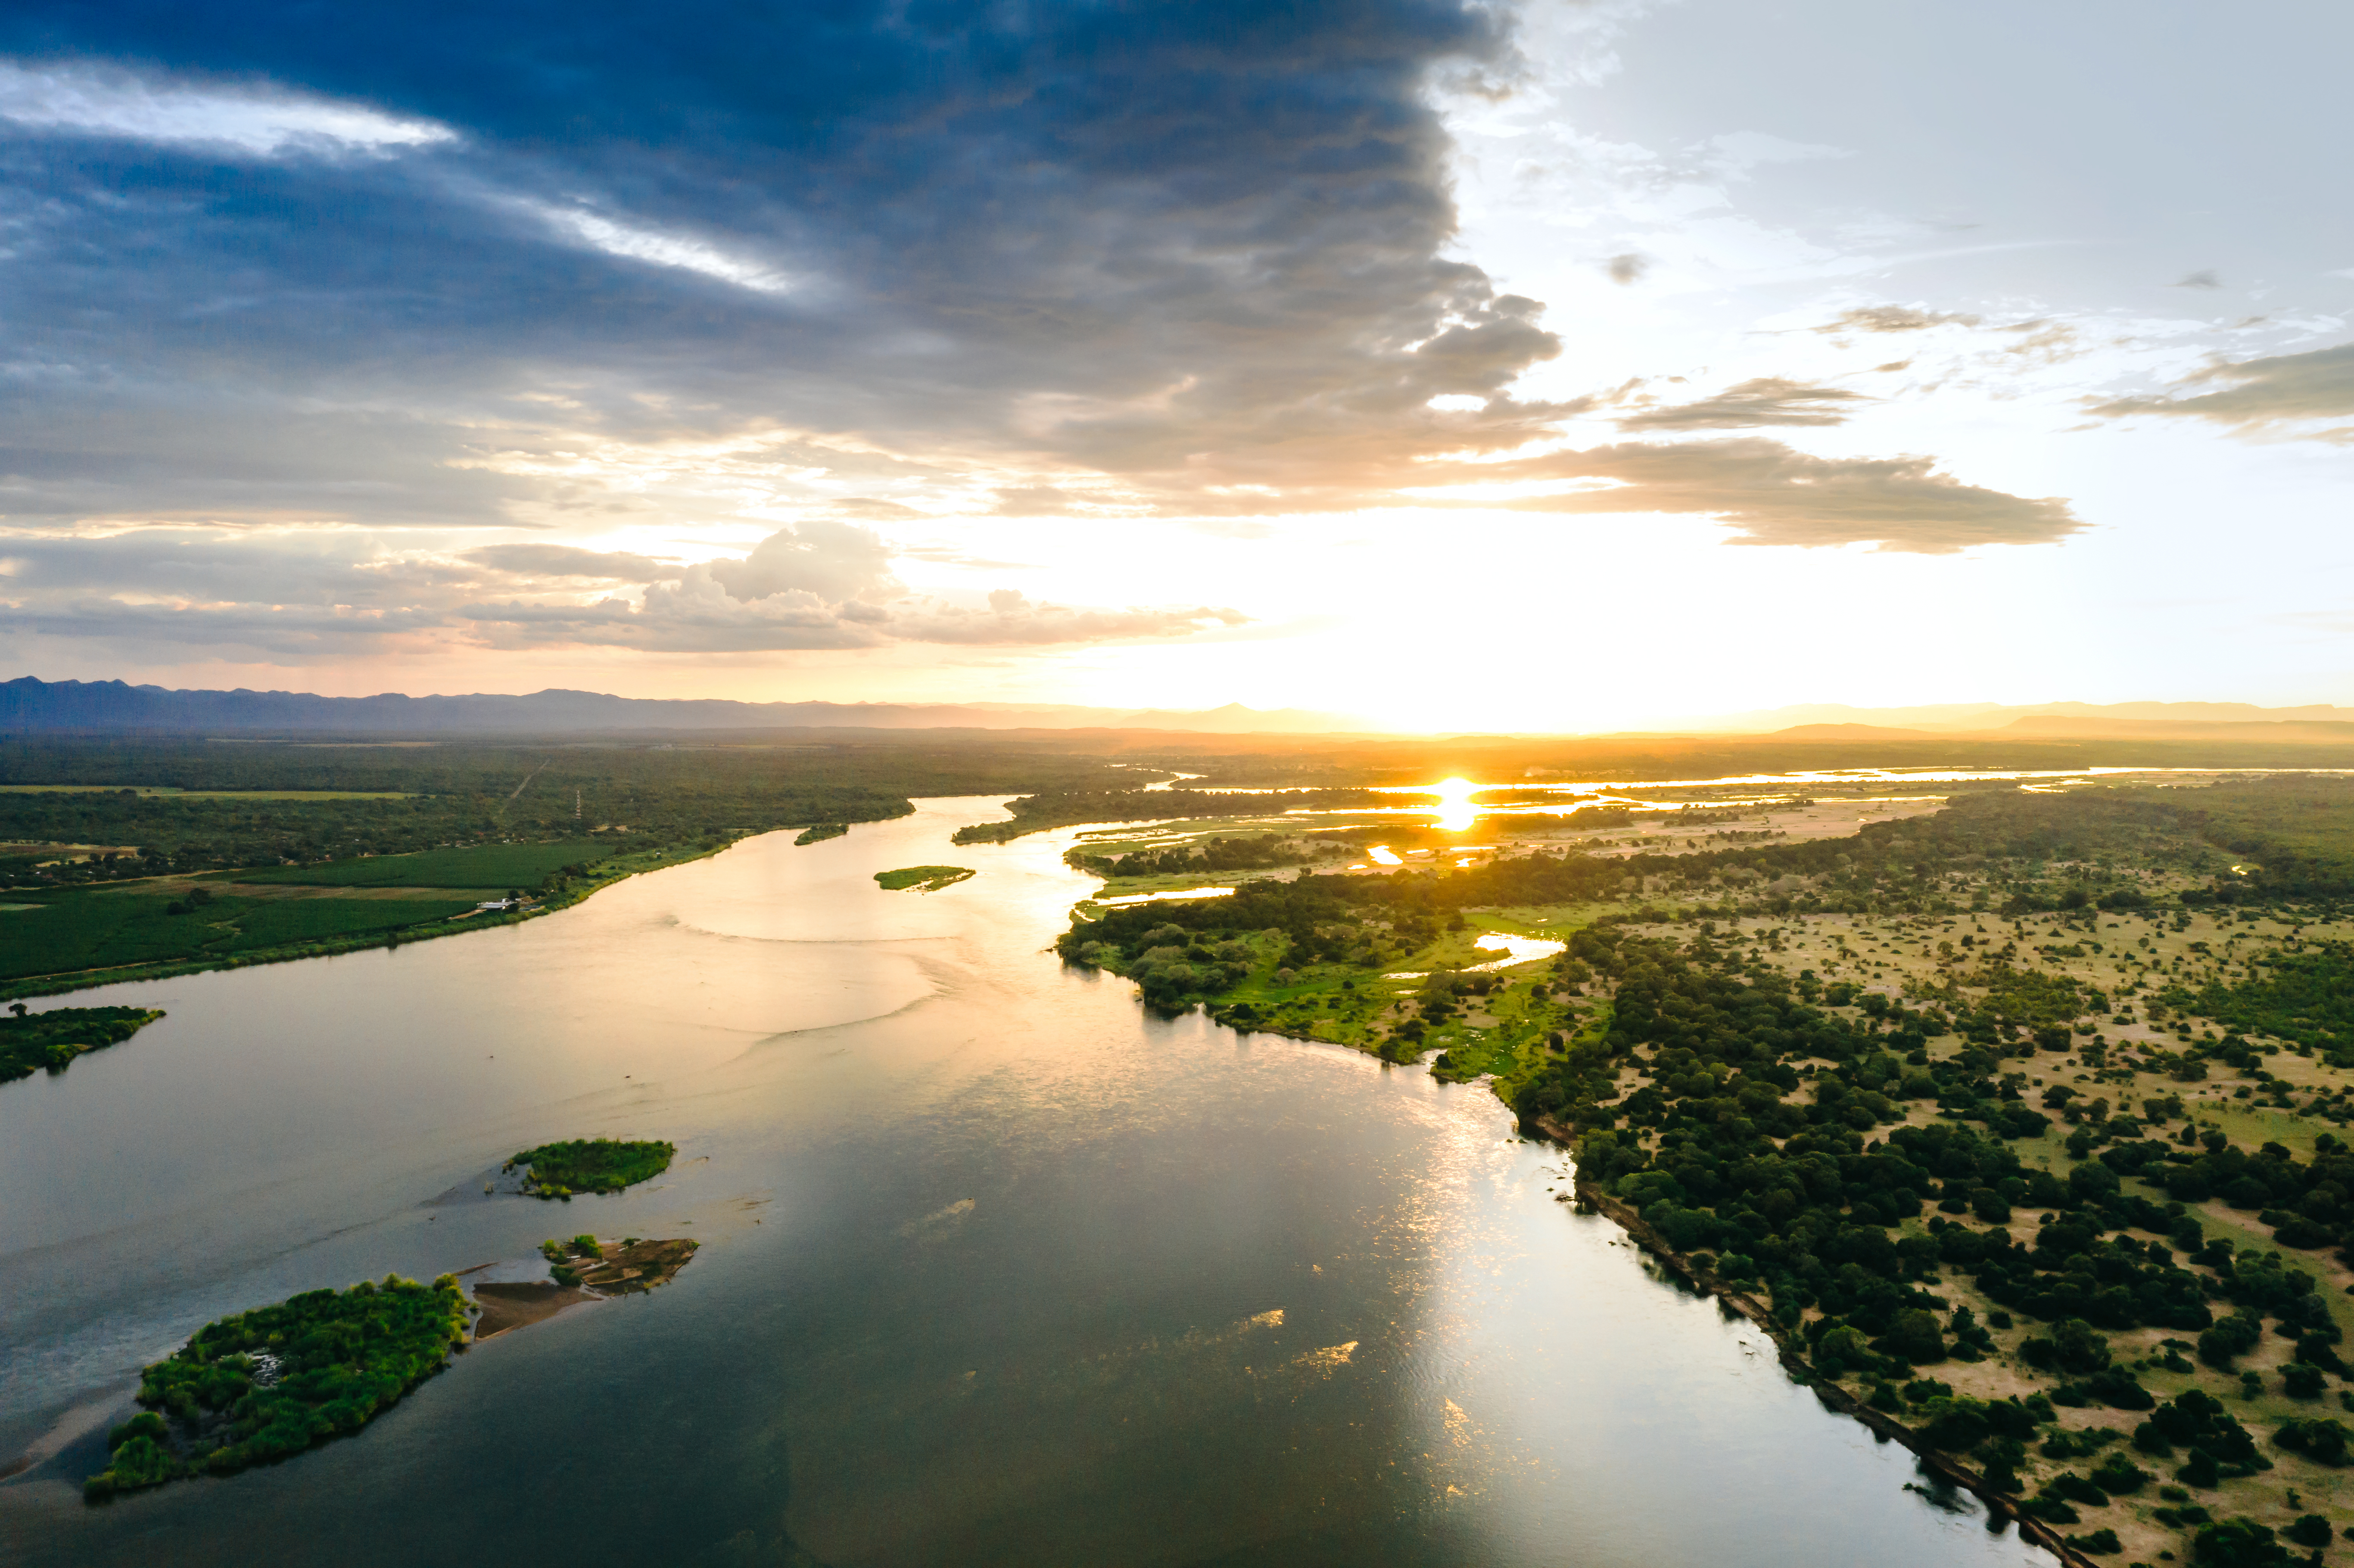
column 996, row 1268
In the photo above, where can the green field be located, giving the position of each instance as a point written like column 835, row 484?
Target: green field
column 483, row 866
column 159, row 791
column 108, row 927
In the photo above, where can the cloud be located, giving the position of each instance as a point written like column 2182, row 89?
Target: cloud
column 1626, row 268
column 2257, row 394
column 565, row 561
column 1767, row 400
column 1162, row 261
column 297, row 595
column 1774, row 496
column 1892, row 318
column 637, row 243
column 101, row 101
column 2205, row 277
column 832, row 563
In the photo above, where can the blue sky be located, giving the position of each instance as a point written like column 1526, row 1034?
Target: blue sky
column 1395, row 358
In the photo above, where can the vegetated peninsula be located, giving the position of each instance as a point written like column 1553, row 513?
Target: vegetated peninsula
column 2017, row 1118
column 51, row 1039
column 591, row 1165
column 818, row 833
column 268, row 1383
column 922, row 878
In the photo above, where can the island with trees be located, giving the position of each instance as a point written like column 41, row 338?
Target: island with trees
column 268, row 1383
column 596, row 1165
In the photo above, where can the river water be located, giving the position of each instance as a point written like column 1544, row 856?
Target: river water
column 996, row 1269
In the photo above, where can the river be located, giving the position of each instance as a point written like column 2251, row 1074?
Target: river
column 996, row 1269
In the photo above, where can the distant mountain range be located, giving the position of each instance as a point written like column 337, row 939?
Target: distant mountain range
column 2185, row 721
column 29, row 705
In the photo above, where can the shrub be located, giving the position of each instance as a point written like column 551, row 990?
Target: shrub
column 2321, row 1439
column 2312, row 1529
column 2237, row 1544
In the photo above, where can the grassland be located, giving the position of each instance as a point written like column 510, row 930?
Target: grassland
column 2017, row 1119
column 483, row 865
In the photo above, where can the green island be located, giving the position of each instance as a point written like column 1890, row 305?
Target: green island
column 2016, row 1117
column 818, row 833
column 52, row 1040
column 922, row 878
column 268, row 1383
column 591, row 1165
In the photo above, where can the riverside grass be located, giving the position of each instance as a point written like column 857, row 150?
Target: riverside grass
column 266, row 1384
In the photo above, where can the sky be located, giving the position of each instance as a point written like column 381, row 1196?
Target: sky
column 1541, row 366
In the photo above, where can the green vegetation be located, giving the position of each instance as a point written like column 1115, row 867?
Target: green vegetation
column 591, row 1165
column 819, row 832
column 1866, row 1083
column 1037, row 813
column 268, row 1383
column 135, row 859
column 479, row 866
column 115, row 933
column 922, row 878
column 52, row 1040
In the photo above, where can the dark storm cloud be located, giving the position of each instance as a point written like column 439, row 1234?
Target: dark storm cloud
column 1767, row 400
column 2254, row 394
column 1187, row 246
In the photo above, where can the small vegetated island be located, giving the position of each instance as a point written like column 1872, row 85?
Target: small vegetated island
column 51, row 1039
column 821, row 831
column 2019, row 1123
column 921, row 878
column 266, row 1384
column 589, row 1165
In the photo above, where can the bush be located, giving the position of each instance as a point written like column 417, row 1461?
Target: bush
column 2321, row 1439
column 2238, row 1544
column 2312, row 1529
column 2099, row 1542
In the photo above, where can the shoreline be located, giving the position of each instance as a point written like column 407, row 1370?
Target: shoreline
column 33, row 986
column 1832, row 1397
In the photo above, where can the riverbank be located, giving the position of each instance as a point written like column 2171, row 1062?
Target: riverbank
column 1701, row 1278
column 600, row 877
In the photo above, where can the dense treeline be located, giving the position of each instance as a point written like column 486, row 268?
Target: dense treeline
column 266, row 1384
column 1037, row 813
column 1214, row 855
column 51, row 1039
